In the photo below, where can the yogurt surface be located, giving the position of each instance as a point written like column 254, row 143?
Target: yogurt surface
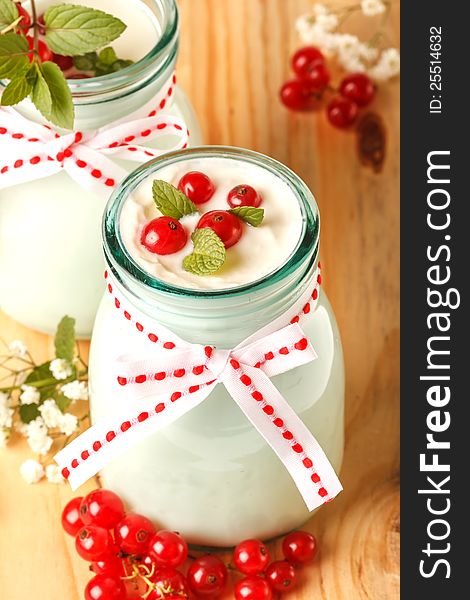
column 260, row 251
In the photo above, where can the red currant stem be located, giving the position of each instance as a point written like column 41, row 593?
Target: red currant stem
column 35, row 29
column 377, row 37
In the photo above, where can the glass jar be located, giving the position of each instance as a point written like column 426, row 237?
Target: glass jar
column 210, row 475
column 50, row 243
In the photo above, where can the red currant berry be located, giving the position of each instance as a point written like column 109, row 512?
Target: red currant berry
column 253, row 588
column 319, row 77
column 133, row 534
column 251, row 557
column 136, row 589
column 300, row 95
column 169, row 581
column 102, row 587
column 306, row 59
column 358, row 88
column 63, row 62
column 42, row 24
column 227, row 226
column 45, row 53
column 299, row 547
column 71, row 521
column 207, row 576
column 94, row 543
column 197, row 187
column 110, row 565
column 281, row 576
column 164, row 235
column 342, row 112
column 244, row 195
column 103, row 508
column 25, row 22
column 168, row 548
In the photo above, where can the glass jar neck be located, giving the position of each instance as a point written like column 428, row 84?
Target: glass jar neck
column 221, row 317
column 99, row 101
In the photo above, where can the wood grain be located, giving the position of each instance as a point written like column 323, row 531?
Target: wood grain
column 234, row 56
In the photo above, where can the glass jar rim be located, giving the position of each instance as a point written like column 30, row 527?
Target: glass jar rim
column 305, row 252
column 85, row 88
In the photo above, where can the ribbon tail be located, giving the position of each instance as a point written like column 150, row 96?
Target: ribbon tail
column 94, row 171
column 284, row 431
column 109, row 438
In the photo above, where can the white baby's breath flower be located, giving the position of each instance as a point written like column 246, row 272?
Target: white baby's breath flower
column 367, row 52
column 327, row 22
column 60, row 368
column 370, row 8
column 33, row 428
column 347, row 44
column 53, row 474
column 17, row 348
column 75, row 390
column 31, row 471
column 352, row 63
column 6, row 416
column 40, row 444
column 68, row 424
column 4, row 435
column 29, row 395
column 387, row 66
column 320, row 9
column 50, row 413
column 4, row 398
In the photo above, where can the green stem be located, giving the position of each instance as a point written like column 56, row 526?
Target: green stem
column 35, row 28
column 43, row 383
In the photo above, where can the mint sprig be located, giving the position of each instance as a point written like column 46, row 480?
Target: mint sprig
column 251, row 215
column 208, row 255
column 70, row 30
column 170, row 201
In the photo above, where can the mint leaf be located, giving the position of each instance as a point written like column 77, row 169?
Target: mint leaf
column 29, row 412
column 19, row 87
column 64, row 340
column 41, row 95
column 208, row 254
column 8, row 13
column 13, row 54
column 61, row 111
column 251, row 215
column 86, row 62
column 107, row 56
column 170, row 201
column 73, row 30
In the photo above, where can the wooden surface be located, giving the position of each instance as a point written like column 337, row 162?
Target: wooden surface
column 234, row 56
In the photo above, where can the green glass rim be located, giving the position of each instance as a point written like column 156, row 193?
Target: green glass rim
column 304, row 255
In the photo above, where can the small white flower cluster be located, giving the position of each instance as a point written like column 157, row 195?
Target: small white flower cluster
column 75, row 390
column 60, row 368
column 371, row 8
column 33, row 472
column 17, row 349
column 29, row 395
column 319, row 29
column 6, row 419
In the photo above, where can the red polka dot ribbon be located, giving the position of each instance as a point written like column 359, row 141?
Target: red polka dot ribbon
column 174, row 376
column 30, row 151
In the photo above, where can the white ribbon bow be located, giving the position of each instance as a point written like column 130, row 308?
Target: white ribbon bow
column 30, row 151
column 177, row 376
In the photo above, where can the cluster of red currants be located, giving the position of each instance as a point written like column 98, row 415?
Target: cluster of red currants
column 132, row 560
column 45, row 53
column 166, row 235
column 306, row 91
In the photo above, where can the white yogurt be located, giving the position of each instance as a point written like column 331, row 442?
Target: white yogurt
column 260, row 250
